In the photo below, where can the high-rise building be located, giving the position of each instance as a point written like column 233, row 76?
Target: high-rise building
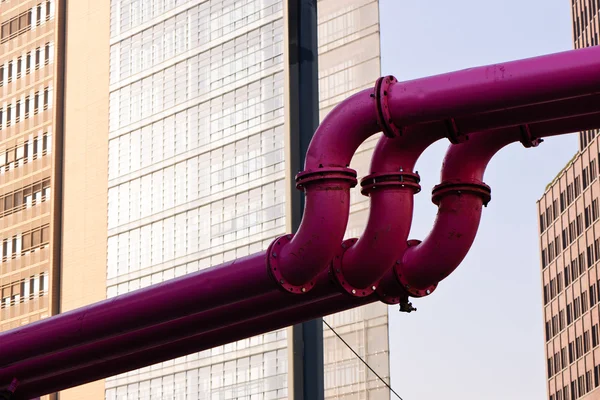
column 168, row 156
column 570, row 250
column 30, row 161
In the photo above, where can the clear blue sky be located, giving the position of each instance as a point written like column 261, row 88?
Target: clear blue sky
column 480, row 335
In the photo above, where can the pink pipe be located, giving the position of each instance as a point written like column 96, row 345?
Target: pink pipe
column 460, row 198
column 280, row 303
column 530, row 114
column 198, row 292
column 391, row 187
column 326, row 182
column 54, row 381
column 460, row 94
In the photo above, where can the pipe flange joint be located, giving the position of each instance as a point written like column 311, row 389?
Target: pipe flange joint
column 458, row 187
column 384, row 116
column 389, row 180
column 322, row 174
column 527, row 139
column 410, row 290
column 274, row 270
column 338, row 275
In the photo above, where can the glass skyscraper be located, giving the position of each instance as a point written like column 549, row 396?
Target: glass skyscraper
column 197, row 174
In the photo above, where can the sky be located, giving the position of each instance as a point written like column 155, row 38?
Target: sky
column 480, row 334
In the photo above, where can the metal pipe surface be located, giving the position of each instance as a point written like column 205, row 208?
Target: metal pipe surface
column 461, row 94
column 391, row 189
column 108, row 367
column 459, row 209
column 201, row 291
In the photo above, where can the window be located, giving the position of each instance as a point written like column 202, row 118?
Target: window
column 566, row 275
column 569, row 313
column 585, row 177
column 578, row 346
column 571, row 352
column 579, row 225
column 590, row 256
column 550, row 369
column 595, row 210
column 542, row 220
column 565, row 238
column 563, row 201
column 577, row 186
column 595, row 335
column 586, row 341
column 593, row 295
column 15, row 27
column 587, row 216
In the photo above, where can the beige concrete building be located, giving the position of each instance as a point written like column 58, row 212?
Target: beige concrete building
column 168, row 154
column 570, row 251
column 30, row 160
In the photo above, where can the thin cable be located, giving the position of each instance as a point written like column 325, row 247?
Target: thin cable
column 361, row 359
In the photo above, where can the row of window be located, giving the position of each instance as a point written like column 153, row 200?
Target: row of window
column 24, row 198
column 244, row 377
column 571, row 272
column 576, row 349
column 24, row 290
column 224, row 168
column 237, row 217
column 26, row 107
column 575, row 228
column 33, row 148
column 23, row 65
column 578, row 387
column 199, row 75
column 22, row 243
column 189, row 29
column 567, row 196
column 584, row 16
column 586, row 137
column 27, row 20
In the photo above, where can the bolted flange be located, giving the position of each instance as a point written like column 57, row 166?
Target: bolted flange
column 390, row 179
column 338, row 276
column 384, row 116
column 346, row 175
column 457, row 187
column 273, row 267
column 412, row 291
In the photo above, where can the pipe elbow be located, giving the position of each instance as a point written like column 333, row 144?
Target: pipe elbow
column 460, row 199
column 295, row 261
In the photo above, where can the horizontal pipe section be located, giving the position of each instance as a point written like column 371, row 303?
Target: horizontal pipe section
column 201, row 291
column 496, row 87
column 243, row 329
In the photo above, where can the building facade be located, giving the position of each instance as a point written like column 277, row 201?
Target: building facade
column 141, row 140
column 30, row 161
column 197, row 174
column 570, row 250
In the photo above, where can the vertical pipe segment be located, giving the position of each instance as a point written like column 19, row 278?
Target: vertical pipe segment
column 295, row 260
column 460, row 198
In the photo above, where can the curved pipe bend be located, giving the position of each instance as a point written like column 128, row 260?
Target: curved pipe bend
column 461, row 196
column 391, row 186
column 295, row 260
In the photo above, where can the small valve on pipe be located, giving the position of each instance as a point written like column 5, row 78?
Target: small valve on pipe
column 406, row 306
